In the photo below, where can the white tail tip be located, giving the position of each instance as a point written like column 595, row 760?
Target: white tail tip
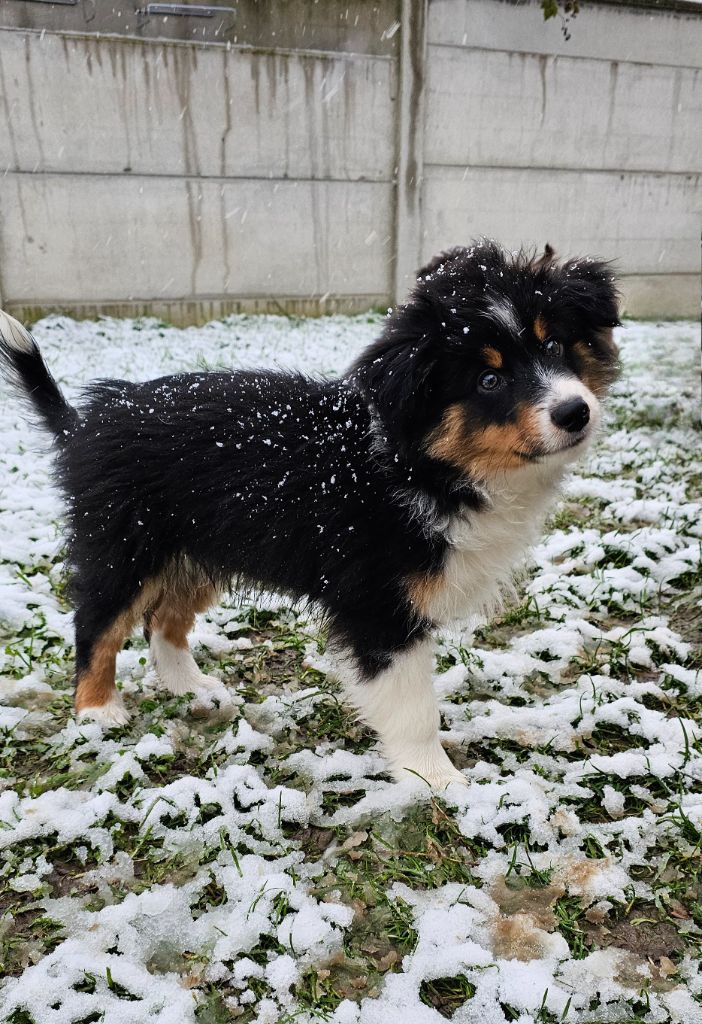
column 15, row 335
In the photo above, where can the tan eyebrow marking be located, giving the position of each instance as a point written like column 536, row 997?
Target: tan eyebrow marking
column 492, row 357
column 540, row 328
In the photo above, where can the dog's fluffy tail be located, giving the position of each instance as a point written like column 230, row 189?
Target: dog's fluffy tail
column 22, row 364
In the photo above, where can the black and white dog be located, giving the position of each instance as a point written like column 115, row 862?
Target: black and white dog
column 395, row 498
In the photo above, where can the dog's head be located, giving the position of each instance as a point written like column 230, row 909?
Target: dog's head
column 496, row 361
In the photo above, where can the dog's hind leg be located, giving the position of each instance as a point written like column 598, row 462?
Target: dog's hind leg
column 100, row 634
column 168, row 625
column 400, row 704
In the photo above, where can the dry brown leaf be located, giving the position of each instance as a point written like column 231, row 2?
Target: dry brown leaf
column 387, row 961
column 666, row 967
column 355, row 839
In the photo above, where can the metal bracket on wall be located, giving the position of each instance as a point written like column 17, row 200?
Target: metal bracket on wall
column 180, row 10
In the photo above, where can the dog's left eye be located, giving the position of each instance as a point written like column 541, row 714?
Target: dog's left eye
column 489, row 381
column 553, row 347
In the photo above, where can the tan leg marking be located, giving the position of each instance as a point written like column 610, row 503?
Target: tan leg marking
column 96, row 684
column 174, row 616
column 170, row 624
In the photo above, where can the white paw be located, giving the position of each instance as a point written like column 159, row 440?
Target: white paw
column 192, row 682
column 208, row 682
column 177, row 670
column 438, row 779
column 429, row 764
column 107, row 715
column 215, row 699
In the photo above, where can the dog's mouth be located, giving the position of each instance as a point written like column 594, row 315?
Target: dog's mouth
column 538, row 454
column 532, row 456
column 574, row 442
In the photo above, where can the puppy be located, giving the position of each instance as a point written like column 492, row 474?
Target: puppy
column 395, row 498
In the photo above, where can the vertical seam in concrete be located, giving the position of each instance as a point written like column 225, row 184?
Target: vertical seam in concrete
column 410, row 144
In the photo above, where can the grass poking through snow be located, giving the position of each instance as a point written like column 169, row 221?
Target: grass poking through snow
column 248, row 858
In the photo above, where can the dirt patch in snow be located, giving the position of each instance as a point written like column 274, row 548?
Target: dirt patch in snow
column 518, row 938
column 650, row 937
column 534, row 902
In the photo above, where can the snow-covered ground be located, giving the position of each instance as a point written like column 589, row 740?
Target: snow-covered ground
column 249, row 860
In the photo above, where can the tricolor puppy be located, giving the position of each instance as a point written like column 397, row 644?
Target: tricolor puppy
column 395, row 498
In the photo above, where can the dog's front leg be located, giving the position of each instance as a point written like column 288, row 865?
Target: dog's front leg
column 400, row 704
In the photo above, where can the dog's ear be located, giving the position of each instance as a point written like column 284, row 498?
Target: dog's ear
column 400, row 373
column 440, row 260
column 546, row 259
column 395, row 372
column 587, row 296
column 588, row 287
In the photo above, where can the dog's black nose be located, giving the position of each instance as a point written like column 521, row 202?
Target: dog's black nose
column 572, row 415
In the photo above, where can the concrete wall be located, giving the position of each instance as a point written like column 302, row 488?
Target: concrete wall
column 591, row 143
column 193, row 179
column 307, row 156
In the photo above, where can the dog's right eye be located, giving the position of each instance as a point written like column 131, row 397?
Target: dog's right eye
column 489, row 381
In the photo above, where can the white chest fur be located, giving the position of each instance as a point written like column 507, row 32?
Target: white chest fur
column 487, row 546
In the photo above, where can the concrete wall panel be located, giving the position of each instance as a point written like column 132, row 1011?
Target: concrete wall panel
column 83, row 239
column 486, row 107
column 649, row 223
column 112, row 105
column 661, row 296
column 296, row 155
column 608, row 31
column 355, row 26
